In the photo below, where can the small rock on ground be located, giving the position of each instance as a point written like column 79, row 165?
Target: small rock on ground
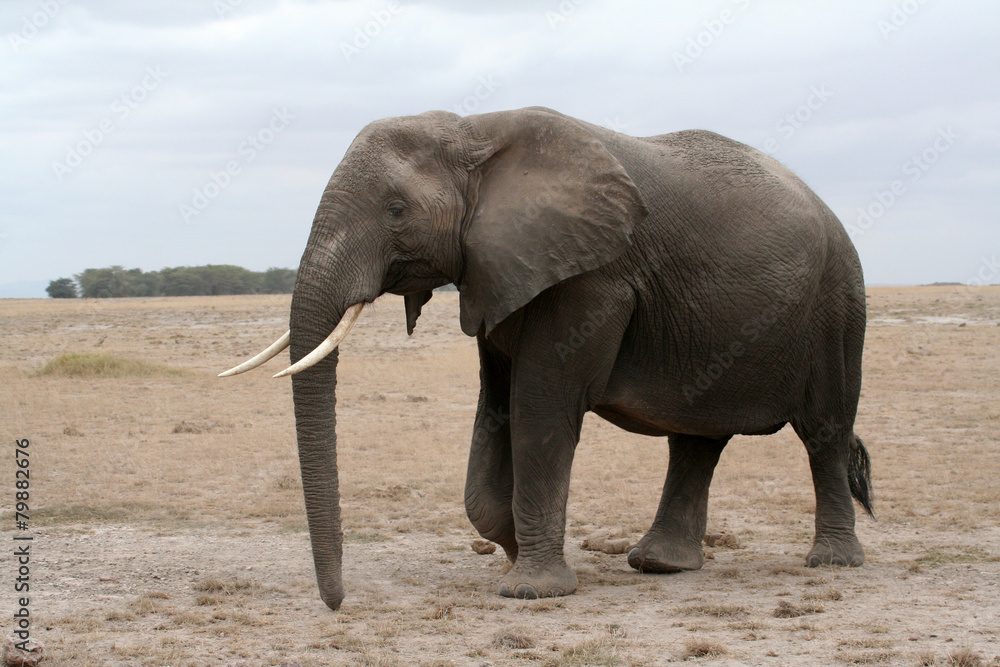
column 606, row 544
column 17, row 657
column 483, row 547
column 724, row 540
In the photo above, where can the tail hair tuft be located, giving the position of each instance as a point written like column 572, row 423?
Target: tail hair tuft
column 859, row 475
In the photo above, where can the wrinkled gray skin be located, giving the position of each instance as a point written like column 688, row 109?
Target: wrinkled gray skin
column 683, row 285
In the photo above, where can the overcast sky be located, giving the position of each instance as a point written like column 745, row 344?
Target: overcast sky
column 119, row 119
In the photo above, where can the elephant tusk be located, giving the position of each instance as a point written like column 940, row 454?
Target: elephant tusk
column 272, row 350
column 327, row 346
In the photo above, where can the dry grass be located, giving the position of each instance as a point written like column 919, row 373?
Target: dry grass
column 786, row 609
column 90, row 365
column 513, row 638
column 869, row 657
column 716, row 610
column 961, row 657
column 964, row 657
column 700, row 648
column 192, row 492
column 823, row 594
column 230, row 587
column 946, row 555
column 593, row 652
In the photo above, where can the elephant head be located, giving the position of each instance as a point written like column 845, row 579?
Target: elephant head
column 504, row 205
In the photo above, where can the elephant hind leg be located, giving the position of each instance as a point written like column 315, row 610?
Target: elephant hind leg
column 841, row 467
column 841, row 472
column 673, row 543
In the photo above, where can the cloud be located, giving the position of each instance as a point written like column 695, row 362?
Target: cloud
column 338, row 65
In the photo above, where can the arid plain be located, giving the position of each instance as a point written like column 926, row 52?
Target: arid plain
column 169, row 524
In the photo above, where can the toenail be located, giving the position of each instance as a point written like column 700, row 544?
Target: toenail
column 526, row 592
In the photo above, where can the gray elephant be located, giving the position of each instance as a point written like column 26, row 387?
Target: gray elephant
column 682, row 285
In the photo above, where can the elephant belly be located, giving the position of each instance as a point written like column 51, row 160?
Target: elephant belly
column 658, row 408
column 632, row 421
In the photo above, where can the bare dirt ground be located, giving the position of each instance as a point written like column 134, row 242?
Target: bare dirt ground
column 169, row 527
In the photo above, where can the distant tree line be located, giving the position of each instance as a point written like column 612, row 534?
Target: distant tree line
column 117, row 281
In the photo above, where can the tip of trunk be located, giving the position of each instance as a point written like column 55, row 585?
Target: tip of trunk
column 333, row 598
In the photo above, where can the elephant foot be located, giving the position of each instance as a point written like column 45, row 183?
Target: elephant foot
column 529, row 583
column 656, row 553
column 843, row 551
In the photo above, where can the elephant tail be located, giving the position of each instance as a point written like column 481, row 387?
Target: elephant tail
column 859, row 475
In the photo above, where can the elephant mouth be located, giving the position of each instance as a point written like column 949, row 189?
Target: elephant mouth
column 331, row 342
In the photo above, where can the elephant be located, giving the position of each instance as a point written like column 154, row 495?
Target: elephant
column 682, row 285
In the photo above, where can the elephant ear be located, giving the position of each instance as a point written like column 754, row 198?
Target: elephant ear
column 553, row 203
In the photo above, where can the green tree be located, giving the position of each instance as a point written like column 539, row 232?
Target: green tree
column 114, row 281
column 144, row 284
column 182, row 281
column 63, row 288
column 278, row 281
column 229, row 279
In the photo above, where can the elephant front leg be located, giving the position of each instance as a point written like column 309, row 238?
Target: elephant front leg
column 563, row 347
column 673, row 543
column 489, row 482
column 542, row 458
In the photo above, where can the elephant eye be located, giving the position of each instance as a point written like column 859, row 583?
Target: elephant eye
column 395, row 209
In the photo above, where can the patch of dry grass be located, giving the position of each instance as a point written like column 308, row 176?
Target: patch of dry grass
column 590, row 653
column 147, row 604
column 943, row 555
column 91, row 365
column 716, row 610
column 514, row 638
column 734, row 573
column 831, row 594
column 119, row 616
column 786, row 609
column 865, row 643
column 964, row 657
column 701, row 648
column 883, row 657
column 228, row 587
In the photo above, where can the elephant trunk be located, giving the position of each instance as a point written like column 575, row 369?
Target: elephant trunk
column 343, row 268
column 313, row 390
